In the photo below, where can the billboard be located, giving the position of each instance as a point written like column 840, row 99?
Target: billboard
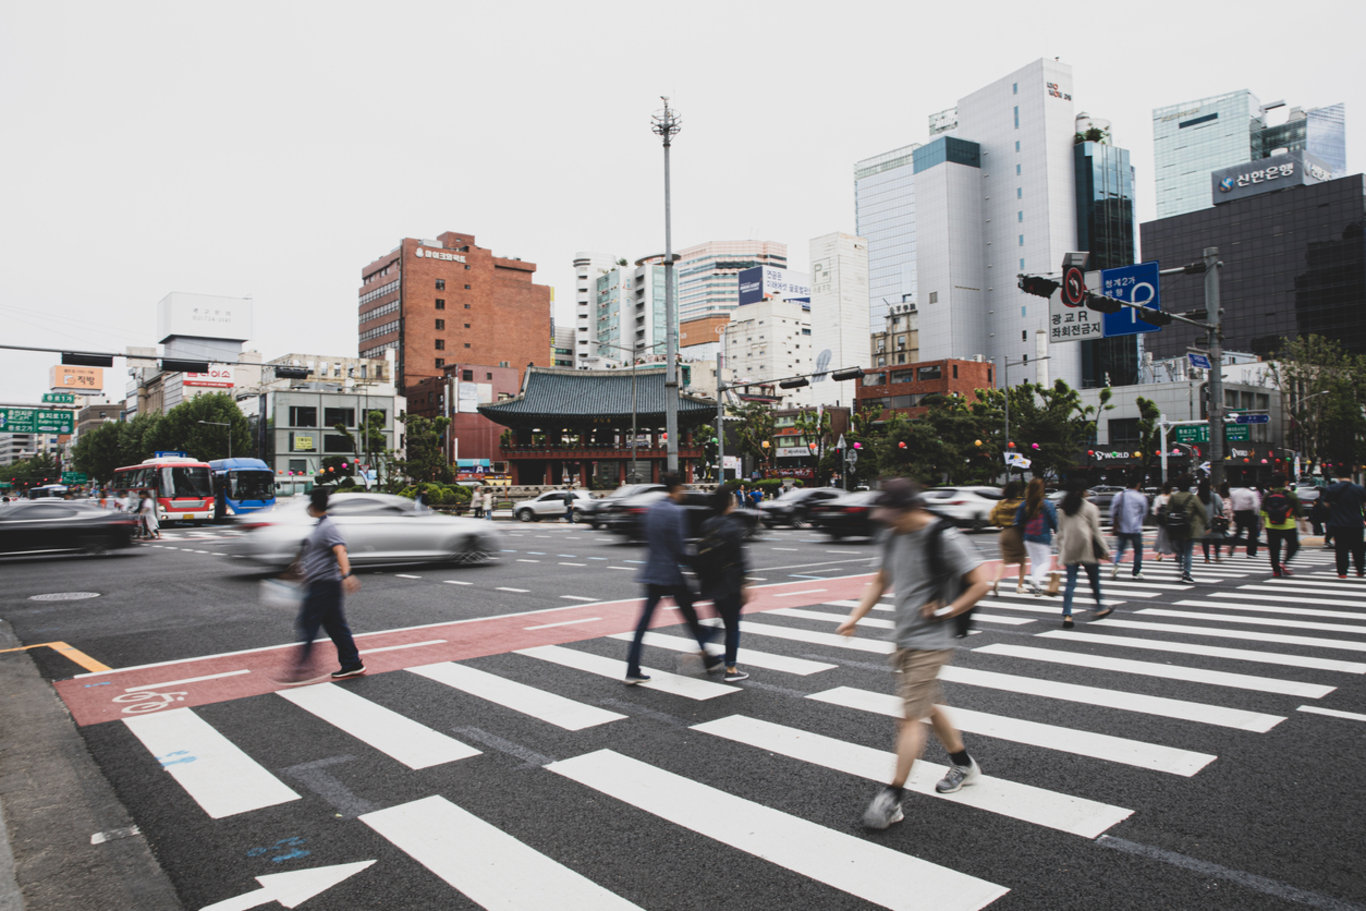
column 762, row 282
column 204, row 316
column 86, row 380
column 218, row 376
column 1293, row 169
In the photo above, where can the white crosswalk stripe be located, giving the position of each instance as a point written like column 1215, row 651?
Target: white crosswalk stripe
column 1218, row 633
column 1249, row 621
column 745, row 656
column 877, row 623
column 1209, row 651
column 615, row 668
column 1281, row 599
column 861, row 868
column 1299, row 610
column 550, row 707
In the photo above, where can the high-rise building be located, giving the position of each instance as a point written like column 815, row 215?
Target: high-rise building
column 445, row 301
column 1105, row 228
column 1193, row 138
column 768, row 341
column 839, row 311
column 884, row 213
column 587, row 268
column 626, row 317
column 706, row 273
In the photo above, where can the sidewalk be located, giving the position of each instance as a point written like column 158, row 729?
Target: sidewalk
column 53, row 799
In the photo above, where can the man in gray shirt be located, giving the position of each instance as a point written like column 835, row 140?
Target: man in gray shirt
column 923, row 634
column 326, row 572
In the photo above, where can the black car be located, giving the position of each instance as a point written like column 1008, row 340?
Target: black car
column 55, row 526
column 594, row 511
column 794, row 506
column 626, row 517
column 849, row 516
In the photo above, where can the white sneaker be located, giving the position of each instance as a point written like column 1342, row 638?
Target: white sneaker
column 884, row 810
column 957, row 776
column 1138, row 577
column 1114, row 571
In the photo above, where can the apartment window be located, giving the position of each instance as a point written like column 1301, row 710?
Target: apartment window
column 1017, row 145
column 467, row 344
column 1017, row 170
column 441, row 303
column 1022, row 264
column 934, row 297
column 488, row 376
column 467, row 325
column 1019, row 216
column 1017, row 116
column 441, row 324
column 467, row 375
column 1024, row 335
column 344, row 416
column 440, row 362
column 467, row 287
column 1022, row 240
column 334, row 443
column 955, row 371
column 930, row 372
column 441, row 284
column 1014, row 88
column 303, row 416
column 1023, row 314
column 467, row 306
column 441, row 344
column 1019, row 192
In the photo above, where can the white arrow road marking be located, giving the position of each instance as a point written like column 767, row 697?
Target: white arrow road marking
column 290, row 889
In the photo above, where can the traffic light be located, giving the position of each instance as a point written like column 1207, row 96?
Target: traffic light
column 1038, row 285
column 1103, row 304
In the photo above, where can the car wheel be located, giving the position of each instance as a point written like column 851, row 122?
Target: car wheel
column 525, row 515
column 470, row 552
column 95, row 545
column 834, row 535
column 979, row 522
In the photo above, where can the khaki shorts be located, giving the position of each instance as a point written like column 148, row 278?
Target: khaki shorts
column 918, row 685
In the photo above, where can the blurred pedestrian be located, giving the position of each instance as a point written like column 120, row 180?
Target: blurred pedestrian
column 935, row 574
column 666, row 535
column 1127, row 511
column 1246, row 503
column 325, row 569
column 569, row 508
column 477, row 503
column 488, row 503
column 1038, row 518
column 147, row 509
column 1215, row 523
column 1184, row 519
column 1162, row 546
column 1011, row 540
column 1080, row 544
column 1280, row 514
column 721, row 568
column 1346, row 514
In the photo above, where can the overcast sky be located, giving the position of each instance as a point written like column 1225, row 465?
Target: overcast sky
column 271, row 150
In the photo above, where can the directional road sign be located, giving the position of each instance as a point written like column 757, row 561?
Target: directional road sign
column 59, row 398
column 36, row 420
column 1199, row 360
column 1135, row 284
column 1253, row 419
column 1233, row 433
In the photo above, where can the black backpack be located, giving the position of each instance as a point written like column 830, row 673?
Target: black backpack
column 1276, row 506
column 713, row 556
column 943, row 577
column 1176, row 519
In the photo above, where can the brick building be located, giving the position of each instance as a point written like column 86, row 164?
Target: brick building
column 447, row 301
column 903, row 387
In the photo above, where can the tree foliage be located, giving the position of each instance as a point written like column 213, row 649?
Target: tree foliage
column 426, row 450
column 1322, row 388
column 754, row 429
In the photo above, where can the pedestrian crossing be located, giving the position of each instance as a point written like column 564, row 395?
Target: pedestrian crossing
column 1020, row 691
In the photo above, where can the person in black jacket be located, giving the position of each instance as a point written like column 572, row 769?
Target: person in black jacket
column 724, row 578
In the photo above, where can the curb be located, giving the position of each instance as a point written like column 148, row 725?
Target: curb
column 53, row 799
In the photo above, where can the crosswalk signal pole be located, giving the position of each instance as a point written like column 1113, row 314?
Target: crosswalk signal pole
column 1214, row 330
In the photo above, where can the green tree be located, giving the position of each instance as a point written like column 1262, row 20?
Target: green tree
column 33, row 472
column 754, row 429
column 1322, row 389
column 1149, row 433
column 426, row 450
column 195, row 427
column 96, row 451
column 1051, row 426
column 814, row 427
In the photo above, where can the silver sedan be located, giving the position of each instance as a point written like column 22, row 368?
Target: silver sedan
column 378, row 528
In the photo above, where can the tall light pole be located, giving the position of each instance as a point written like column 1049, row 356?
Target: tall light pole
column 221, row 424
column 666, row 123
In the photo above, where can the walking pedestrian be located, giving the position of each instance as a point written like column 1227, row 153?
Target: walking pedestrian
column 147, row 509
column 569, row 508
column 1011, row 541
column 1080, row 544
column 488, row 503
column 721, row 568
column 1184, row 520
column 326, row 571
column 1246, row 503
column 477, row 503
column 1127, row 512
column 666, row 527
column 1280, row 515
column 1215, row 523
column 929, row 591
column 1346, row 509
column 1038, row 518
column 1162, row 546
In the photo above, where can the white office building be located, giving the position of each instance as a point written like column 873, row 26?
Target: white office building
column 707, row 274
column 769, row 341
column 884, row 213
column 839, row 312
column 619, row 310
column 588, row 267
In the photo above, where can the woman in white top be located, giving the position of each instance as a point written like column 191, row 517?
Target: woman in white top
column 1163, row 545
column 151, row 527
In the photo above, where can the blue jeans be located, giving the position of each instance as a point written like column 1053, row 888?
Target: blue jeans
column 1126, row 539
column 322, row 607
column 1092, row 575
column 728, row 609
column 1185, row 549
column 682, row 596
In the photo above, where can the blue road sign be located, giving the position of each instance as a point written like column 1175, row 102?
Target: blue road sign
column 1253, row 419
column 1135, row 284
column 1198, row 360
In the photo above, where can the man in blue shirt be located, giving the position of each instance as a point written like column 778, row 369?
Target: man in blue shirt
column 666, row 536
column 1346, row 502
column 1127, row 512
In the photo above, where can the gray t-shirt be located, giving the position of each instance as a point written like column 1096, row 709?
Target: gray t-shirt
column 912, row 581
column 318, row 560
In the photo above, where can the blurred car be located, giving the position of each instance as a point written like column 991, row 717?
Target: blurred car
column 848, row 516
column 379, row 529
column 969, row 507
column 593, row 511
column 54, row 526
column 1102, row 495
column 551, row 503
column 626, row 518
column 793, row 506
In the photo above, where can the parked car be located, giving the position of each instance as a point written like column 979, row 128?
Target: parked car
column 849, row 516
column 54, row 526
column 626, row 517
column 551, row 503
column 969, row 507
column 379, row 529
column 793, row 506
column 592, row 511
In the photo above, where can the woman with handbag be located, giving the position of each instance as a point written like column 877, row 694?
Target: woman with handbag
column 1011, row 541
column 1038, row 518
column 1163, row 545
column 1216, row 523
column 1080, row 544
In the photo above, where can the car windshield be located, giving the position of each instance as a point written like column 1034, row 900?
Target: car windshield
column 187, row 481
column 252, row 485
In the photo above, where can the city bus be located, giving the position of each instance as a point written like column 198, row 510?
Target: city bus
column 182, row 487
column 241, row 486
column 47, row 490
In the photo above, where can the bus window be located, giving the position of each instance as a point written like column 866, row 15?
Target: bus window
column 191, row 481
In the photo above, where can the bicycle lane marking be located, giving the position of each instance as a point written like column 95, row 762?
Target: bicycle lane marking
column 225, row 677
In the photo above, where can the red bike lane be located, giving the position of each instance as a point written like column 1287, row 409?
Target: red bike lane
column 110, row 695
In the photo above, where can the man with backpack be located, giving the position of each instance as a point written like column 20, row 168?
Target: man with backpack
column 1184, row 519
column 1280, row 512
column 1346, row 502
column 937, row 576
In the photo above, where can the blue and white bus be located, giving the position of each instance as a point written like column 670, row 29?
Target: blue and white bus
column 241, row 486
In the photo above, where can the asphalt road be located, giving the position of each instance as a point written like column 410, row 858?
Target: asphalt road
column 1161, row 758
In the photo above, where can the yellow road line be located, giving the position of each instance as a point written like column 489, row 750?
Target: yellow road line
column 75, row 654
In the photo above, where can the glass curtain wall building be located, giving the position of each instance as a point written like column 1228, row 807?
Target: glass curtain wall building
column 708, row 274
column 884, row 214
column 1105, row 227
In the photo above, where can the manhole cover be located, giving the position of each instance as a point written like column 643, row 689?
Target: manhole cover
column 64, row 596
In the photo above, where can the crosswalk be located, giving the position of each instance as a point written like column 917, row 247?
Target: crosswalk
column 1022, row 689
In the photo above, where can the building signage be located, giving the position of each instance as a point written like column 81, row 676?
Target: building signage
column 1136, row 284
column 59, row 398
column 1069, row 319
column 303, row 442
column 64, row 378
column 1199, row 433
column 759, row 283
column 424, row 252
column 792, row 452
column 1266, row 174
column 204, row 316
column 218, row 376
column 1055, row 91
column 36, row 420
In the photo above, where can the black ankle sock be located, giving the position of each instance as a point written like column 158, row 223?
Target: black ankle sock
column 961, row 758
column 897, row 793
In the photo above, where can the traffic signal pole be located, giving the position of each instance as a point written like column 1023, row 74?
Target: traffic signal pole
column 1214, row 331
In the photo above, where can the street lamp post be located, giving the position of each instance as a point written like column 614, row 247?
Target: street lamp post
column 221, row 424
column 666, row 123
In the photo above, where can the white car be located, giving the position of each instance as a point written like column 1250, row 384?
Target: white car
column 549, row 504
column 967, row 506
